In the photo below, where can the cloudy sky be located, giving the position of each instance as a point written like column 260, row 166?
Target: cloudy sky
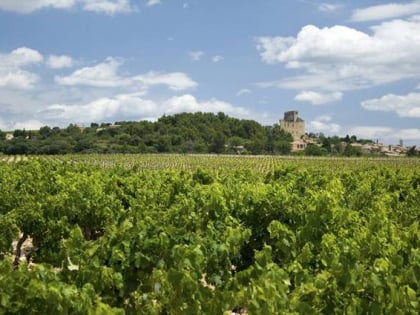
column 348, row 67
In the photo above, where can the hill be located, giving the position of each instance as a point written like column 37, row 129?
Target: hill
column 180, row 133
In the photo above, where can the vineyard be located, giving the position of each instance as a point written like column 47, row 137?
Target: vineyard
column 208, row 234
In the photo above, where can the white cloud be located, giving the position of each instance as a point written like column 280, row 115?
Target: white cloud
column 185, row 5
column 371, row 132
column 110, row 7
column 133, row 106
column 386, row 11
column 22, row 56
column 272, row 48
column 323, row 124
column 28, row 6
column 341, row 58
column 328, row 7
column 188, row 103
column 59, row 62
column 408, row 134
column 196, row 55
column 106, row 75
column 386, row 134
column 12, row 72
column 217, row 59
column 19, row 79
column 31, row 124
column 243, row 92
column 404, row 105
column 101, row 75
column 150, row 3
column 103, row 109
column 176, row 81
column 317, row 98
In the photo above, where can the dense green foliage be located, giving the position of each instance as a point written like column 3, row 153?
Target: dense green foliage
column 181, row 133
column 205, row 235
column 185, row 133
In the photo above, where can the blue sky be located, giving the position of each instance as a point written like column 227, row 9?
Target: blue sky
column 348, row 67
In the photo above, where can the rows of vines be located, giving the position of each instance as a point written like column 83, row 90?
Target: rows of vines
column 209, row 235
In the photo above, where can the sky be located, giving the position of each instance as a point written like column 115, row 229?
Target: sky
column 348, row 67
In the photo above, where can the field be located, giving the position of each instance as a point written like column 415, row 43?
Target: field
column 208, row 234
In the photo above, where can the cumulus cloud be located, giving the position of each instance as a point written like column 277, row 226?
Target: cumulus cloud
column 21, row 57
column 31, row 124
column 388, row 134
column 19, row 79
column 371, row 132
column 408, row 134
column 28, row 6
column 133, row 106
column 341, row 58
column 217, row 59
column 404, row 105
column 243, row 92
column 196, row 55
column 176, row 81
column 328, row 7
column 317, row 98
column 106, row 74
column 151, row 3
column 188, row 103
column 102, row 109
column 100, row 6
column 101, row 75
column 12, row 68
column 110, row 7
column 386, row 11
column 323, row 124
column 59, row 62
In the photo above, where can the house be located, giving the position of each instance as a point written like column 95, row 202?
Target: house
column 299, row 145
column 9, row 136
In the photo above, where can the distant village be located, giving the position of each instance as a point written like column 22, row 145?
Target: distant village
column 295, row 125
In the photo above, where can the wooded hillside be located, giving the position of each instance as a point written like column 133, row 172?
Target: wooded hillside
column 180, row 133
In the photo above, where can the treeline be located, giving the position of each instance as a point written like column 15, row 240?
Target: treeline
column 180, row 133
column 334, row 145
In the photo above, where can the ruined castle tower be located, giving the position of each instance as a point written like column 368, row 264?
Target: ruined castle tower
column 293, row 124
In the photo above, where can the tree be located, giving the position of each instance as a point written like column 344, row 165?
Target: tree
column 412, row 151
column 44, row 131
column 350, row 150
column 218, row 143
column 314, row 150
column 19, row 133
column 282, row 147
column 235, row 141
column 326, row 144
column 18, row 146
column 185, row 132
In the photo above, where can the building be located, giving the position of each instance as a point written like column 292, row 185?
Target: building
column 293, row 124
column 299, row 145
column 105, row 127
column 9, row 136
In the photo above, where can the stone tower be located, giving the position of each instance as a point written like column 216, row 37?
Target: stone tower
column 292, row 124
